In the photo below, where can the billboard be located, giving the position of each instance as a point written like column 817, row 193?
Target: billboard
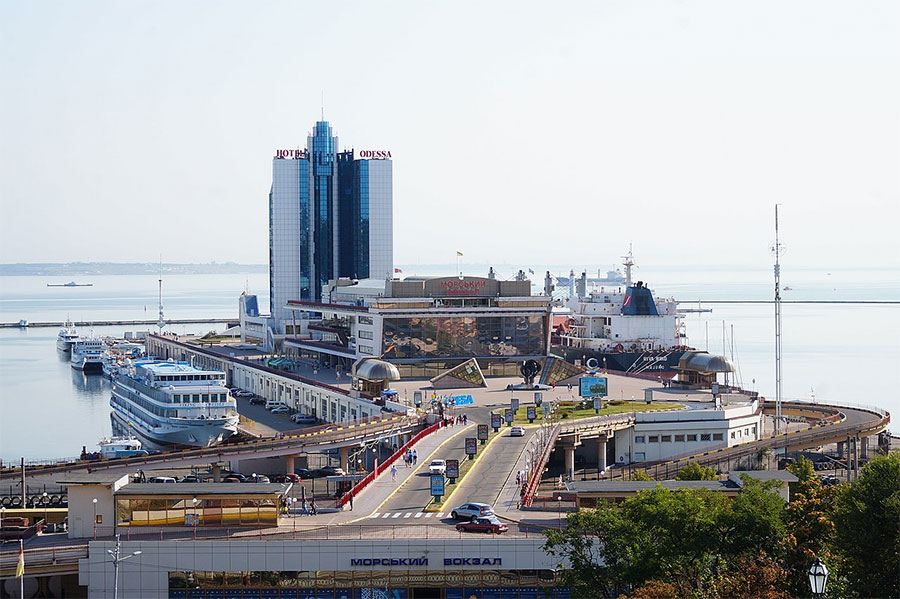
column 592, row 385
column 510, row 415
column 514, row 404
column 531, row 412
column 482, row 432
column 452, row 468
column 471, row 445
column 496, row 421
column 437, row 485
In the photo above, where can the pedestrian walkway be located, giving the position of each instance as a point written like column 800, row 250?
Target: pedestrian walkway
column 406, row 515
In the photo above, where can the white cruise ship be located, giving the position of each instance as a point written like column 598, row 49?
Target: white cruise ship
column 174, row 403
column 87, row 355
column 67, row 337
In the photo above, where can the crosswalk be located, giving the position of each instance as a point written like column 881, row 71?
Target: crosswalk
column 406, row 515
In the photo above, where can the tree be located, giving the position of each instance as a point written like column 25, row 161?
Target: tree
column 694, row 471
column 811, row 528
column 867, row 529
column 640, row 475
column 802, row 468
column 757, row 577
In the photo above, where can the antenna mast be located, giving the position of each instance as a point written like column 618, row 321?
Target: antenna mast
column 162, row 321
column 777, row 249
column 628, row 264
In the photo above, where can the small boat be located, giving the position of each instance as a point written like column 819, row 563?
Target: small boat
column 120, row 447
column 70, row 284
column 22, row 324
column 67, row 337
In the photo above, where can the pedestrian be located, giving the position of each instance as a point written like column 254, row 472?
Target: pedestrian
column 351, row 501
column 465, row 419
column 519, row 478
column 314, row 507
column 393, row 473
column 415, row 456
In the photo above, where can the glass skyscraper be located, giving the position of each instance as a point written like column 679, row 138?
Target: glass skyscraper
column 330, row 216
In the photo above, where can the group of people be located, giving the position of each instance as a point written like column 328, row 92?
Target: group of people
column 454, row 420
column 307, row 509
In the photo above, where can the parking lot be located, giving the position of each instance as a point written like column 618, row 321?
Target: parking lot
column 266, row 423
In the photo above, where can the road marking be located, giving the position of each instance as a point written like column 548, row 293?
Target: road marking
column 439, row 515
column 418, row 515
column 397, row 515
column 375, row 515
column 408, row 515
column 386, row 515
column 428, row 515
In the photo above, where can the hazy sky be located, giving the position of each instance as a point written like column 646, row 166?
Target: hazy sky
column 532, row 133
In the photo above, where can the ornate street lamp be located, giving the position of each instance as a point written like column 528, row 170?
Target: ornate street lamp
column 818, row 577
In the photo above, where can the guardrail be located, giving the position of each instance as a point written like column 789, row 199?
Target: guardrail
column 43, row 557
column 538, row 468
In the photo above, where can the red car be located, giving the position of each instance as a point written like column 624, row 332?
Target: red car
column 489, row 525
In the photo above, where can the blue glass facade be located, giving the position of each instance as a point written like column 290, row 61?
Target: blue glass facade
column 353, row 178
column 322, row 154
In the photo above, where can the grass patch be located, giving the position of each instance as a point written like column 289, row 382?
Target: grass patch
column 573, row 410
column 464, row 467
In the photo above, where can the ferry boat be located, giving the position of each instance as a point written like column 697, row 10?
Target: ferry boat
column 67, row 337
column 174, row 403
column 624, row 329
column 121, row 447
column 87, row 355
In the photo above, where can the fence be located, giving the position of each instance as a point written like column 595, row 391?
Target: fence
column 538, row 467
column 381, row 467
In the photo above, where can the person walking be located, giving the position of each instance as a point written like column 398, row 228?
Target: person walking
column 313, row 507
column 415, row 456
column 351, row 501
column 393, row 473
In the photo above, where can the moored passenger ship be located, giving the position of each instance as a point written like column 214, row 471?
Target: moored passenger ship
column 174, row 403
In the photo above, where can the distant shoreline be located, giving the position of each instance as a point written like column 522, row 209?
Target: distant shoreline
column 83, row 269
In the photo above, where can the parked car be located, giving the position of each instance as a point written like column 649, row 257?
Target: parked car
column 193, row 478
column 469, row 511
column 517, row 431
column 256, row 478
column 235, row 477
column 282, row 409
column 489, row 525
column 161, row 479
column 332, row 471
column 287, row 478
column 304, row 473
column 303, row 419
column 270, row 405
column 256, row 401
column 437, row 467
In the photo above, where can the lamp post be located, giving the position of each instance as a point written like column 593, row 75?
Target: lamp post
column 45, row 501
column 95, row 518
column 116, row 559
column 559, row 510
column 818, row 577
column 194, row 501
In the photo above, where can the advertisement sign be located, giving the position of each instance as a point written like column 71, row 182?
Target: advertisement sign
column 531, row 412
column 471, row 445
column 510, row 415
column 648, row 395
column 452, row 469
column 598, row 404
column 417, row 398
column 538, row 398
column 514, row 404
column 592, row 385
column 496, row 421
column 437, row 485
column 482, row 432
column 545, row 408
column 461, row 400
column 715, row 388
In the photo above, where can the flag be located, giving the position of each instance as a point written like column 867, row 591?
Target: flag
column 396, row 270
column 531, row 271
column 20, row 566
column 459, row 253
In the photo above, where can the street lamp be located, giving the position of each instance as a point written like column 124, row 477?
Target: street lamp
column 818, row 577
column 95, row 518
column 559, row 510
column 194, row 501
column 116, row 559
column 45, row 501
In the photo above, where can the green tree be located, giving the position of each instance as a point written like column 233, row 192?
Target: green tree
column 640, row 475
column 802, row 468
column 867, row 529
column 811, row 528
column 695, row 471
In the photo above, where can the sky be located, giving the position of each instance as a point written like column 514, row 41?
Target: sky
column 521, row 132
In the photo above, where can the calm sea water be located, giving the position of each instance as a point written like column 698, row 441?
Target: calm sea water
column 837, row 352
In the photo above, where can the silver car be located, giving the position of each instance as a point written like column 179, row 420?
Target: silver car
column 470, row 511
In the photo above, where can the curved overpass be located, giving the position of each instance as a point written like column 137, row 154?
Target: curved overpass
column 833, row 423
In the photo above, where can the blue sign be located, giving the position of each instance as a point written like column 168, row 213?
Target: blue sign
column 592, row 386
column 437, row 485
column 461, row 400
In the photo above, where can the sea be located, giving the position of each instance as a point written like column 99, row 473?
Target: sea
column 843, row 352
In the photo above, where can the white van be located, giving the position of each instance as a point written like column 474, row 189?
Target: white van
column 273, row 404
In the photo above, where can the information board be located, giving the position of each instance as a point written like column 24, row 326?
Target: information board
column 591, row 386
column 496, row 421
column 510, row 415
column 437, row 485
column 452, row 469
column 531, row 412
column 538, row 398
column 514, row 404
column 483, row 432
column 417, row 398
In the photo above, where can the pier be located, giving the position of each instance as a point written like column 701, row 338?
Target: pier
column 125, row 323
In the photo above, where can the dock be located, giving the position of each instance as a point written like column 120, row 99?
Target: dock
column 125, row 323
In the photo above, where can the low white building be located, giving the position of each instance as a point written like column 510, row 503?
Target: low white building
column 676, row 433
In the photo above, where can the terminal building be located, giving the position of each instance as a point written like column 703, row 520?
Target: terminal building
column 423, row 325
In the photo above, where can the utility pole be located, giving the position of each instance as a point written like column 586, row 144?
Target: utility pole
column 777, row 249
column 116, row 559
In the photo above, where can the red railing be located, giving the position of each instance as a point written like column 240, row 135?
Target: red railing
column 538, row 468
column 380, row 467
